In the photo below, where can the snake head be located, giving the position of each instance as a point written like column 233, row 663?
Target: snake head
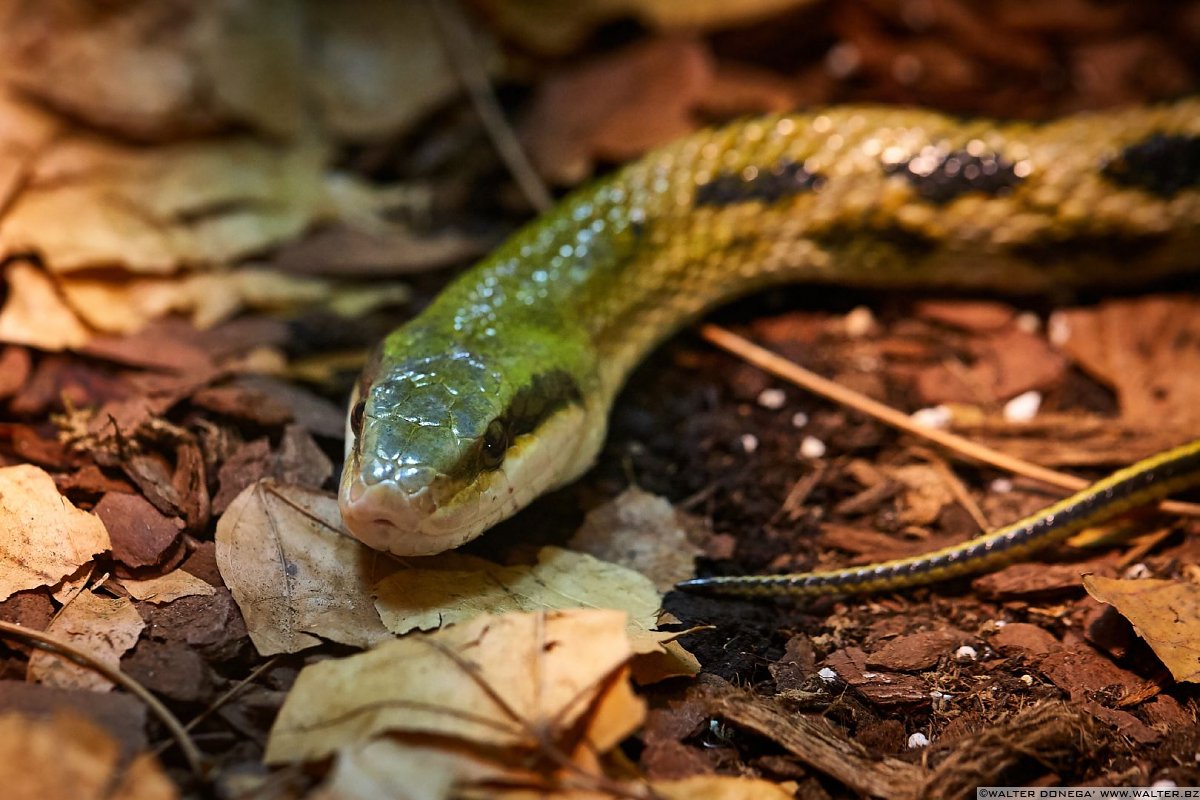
column 444, row 443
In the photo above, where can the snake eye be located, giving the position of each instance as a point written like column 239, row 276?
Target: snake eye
column 356, row 417
column 495, row 443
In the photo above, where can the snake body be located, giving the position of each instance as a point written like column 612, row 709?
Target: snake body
column 500, row 389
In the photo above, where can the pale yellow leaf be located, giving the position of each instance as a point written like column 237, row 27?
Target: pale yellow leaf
column 103, row 627
column 443, row 590
column 43, row 538
column 35, row 314
column 67, row 756
column 722, row 787
column 157, row 209
column 514, row 680
column 405, row 771
column 1164, row 613
column 293, row 572
column 165, row 588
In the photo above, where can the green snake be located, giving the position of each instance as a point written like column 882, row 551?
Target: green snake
column 500, row 389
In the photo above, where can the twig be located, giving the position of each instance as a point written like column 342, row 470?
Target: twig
column 805, row 379
column 48, row 643
column 461, row 51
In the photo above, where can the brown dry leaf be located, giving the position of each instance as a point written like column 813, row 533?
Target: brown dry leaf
column 449, row 589
column 515, row 681
column 636, row 98
column 926, row 493
column 165, row 588
column 43, row 538
column 295, row 575
column 643, row 532
column 1164, row 613
column 105, row 628
column 555, row 27
column 154, row 210
column 24, row 130
column 399, row 47
column 151, row 73
column 127, row 306
column 1146, row 350
column 35, row 314
column 68, row 756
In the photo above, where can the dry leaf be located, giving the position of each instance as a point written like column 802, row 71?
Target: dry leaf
column 68, row 756
column 449, row 589
column 294, row 574
column 35, row 314
column 156, row 209
column 1164, row 613
column 127, row 306
column 151, row 72
column 105, row 628
column 643, row 532
column 405, row 771
column 398, row 46
column 172, row 586
column 926, row 493
column 516, row 680
column 1145, row 349
column 722, row 787
column 43, row 538
column 555, row 27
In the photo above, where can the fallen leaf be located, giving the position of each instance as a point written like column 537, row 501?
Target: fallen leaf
column 43, row 538
column 558, row 28
column 154, row 210
column 1145, row 349
column 102, row 627
column 721, row 787
column 449, row 589
column 1164, row 613
column 165, row 588
column 926, row 493
column 643, row 532
column 512, row 681
column 120, row 714
column 68, row 756
column 295, row 575
column 35, row 314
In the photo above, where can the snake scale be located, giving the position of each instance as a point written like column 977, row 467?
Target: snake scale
column 500, row 389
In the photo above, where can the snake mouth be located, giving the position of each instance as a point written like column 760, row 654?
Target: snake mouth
column 385, row 517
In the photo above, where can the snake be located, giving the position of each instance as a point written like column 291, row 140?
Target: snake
column 500, row 389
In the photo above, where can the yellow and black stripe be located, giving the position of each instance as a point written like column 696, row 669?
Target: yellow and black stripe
column 1145, row 482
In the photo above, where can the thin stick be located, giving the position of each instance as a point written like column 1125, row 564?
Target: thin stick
column 798, row 375
column 461, row 50
column 48, row 643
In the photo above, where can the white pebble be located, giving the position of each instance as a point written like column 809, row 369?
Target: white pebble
column 1002, row 485
column 1058, row 329
column 812, row 447
column 1027, row 680
column 859, row 322
column 965, row 653
column 1164, row 783
column 827, row 675
column 917, row 740
column 1136, row 572
column 1023, row 407
column 749, row 442
column 937, row 417
column 1028, row 322
column 773, row 399
column 799, row 419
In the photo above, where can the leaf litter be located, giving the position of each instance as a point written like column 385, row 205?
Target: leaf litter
column 194, row 194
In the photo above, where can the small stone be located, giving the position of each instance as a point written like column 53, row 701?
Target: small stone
column 965, row 654
column 937, row 417
column 812, row 447
column 1024, row 407
column 1028, row 322
column 917, row 740
column 749, row 442
column 1058, row 329
column 859, row 322
column 828, row 675
column 773, row 399
column 799, row 419
column 1002, row 485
